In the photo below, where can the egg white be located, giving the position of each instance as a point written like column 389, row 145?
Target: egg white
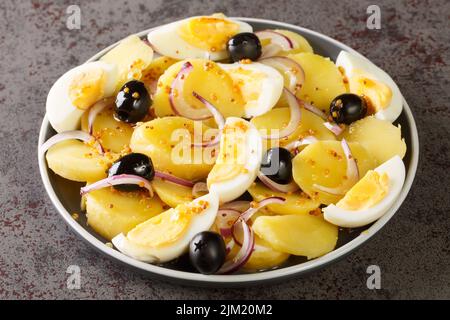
column 352, row 63
column 271, row 87
column 395, row 169
column 166, row 41
column 200, row 222
column 61, row 113
column 233, row 188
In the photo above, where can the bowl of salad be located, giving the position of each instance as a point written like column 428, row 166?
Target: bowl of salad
column 227, row 151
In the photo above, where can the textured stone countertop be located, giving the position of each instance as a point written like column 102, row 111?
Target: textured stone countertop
column 36, row 246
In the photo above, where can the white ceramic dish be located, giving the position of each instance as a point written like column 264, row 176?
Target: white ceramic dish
column 65, row 195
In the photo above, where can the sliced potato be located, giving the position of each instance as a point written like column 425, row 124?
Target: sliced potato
column 296, row 203
column 323, row 81
column 265, row 257
column 167, row 141
column 380, row 137
column 278, row 118
column 113, row 135
column 301, row 235
column 300, row 43
column 110, row 212
column 172, row 194
column 324, row 163
column 131, row 56
column 209, row 81
column 154, row 70
column 75, row 160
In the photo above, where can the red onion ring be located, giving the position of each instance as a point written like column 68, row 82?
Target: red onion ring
column 246, row 215
column 198, row 188
column 313, row 109
column 305, row 141
column 116, row 180
column 95, row 110
column 69, row 135
column 230, row 246
column 239, row 205
column 225, row 221
column 244, row 253
column 171, row 178
column 334, row 127
column 270, row 50
column 352, row 174
column 294, row 120
column 176, row 98
column 272, row 185
column 218, row 117
column 290, row 67
column 276, row 38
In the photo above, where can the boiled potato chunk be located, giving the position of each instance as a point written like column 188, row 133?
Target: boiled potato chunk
column 278, row 118
column 154, row 70
column 172, row 194
column 112, row 134
column 167, row 141
column 296, row 203
column 323, row 81
column 324, row 163
column 132, row 56
column 380, row 137
column 300, row 43
column 111, row 212
column 208, row 80
column 75, row 160
column 301, row 235
column 265, row 257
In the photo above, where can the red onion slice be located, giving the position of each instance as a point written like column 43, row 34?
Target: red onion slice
column 293, row 70
column 295, row 117
column 230, row 246
column 246, row 215
column 334, row 127
column 305, row 141
column 239, row 205
column 70, row 135
column 171, row 178
column 176, row 98
column 270, row 50
column 313, row 109
column 244, row 253
column 272, row 185
column 352, row 174
column 276, row 38
column 218, row 117
column 95, row 110
column 225, row 221
column 116, row 180
column 199, row 188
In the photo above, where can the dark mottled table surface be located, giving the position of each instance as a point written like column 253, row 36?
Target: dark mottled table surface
column 36, row 246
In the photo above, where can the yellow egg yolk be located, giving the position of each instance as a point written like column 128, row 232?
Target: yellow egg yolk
column 232, row 156
column 209, row 33
column 366, row 193
column 167, row 227
column 249, row 83
column 87, row 88
column 379, row 94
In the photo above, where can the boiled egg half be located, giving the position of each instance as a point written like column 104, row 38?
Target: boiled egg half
column 76, row 91
column 167, row 235
column 368, row 80
column 261, row 86
column 370, row 197
column 196, row 37
column 238, row 162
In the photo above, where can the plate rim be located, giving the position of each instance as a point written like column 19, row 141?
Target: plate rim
column 249, row 278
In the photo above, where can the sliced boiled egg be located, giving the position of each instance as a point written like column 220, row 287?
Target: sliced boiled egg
column 76, row 91
column 238, row 162
column 167, row 235
column 196, row 37
column 366, row 79
column 261, row 86
column 370, row 197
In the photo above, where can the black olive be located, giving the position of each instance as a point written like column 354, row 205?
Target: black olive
column 134, row 163
column 244, row 45
column 207, row 252
column 277, row 165
column 348, row 108
column 132, row 102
